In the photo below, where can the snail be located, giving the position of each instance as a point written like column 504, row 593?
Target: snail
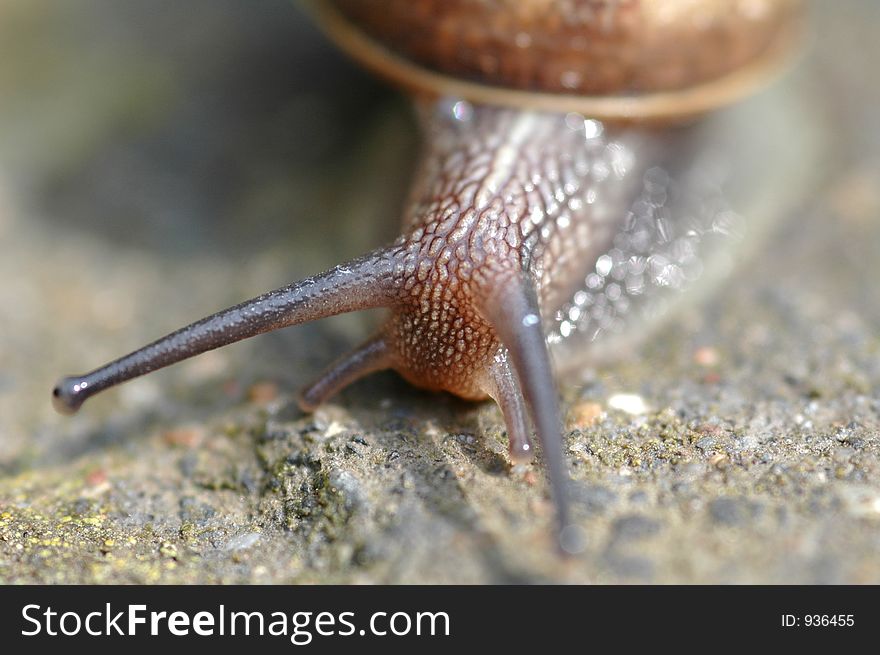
column 561, row 189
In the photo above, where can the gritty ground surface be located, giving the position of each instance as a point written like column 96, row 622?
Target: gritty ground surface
column 142, row 187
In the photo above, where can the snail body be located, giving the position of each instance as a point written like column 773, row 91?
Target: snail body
column 526, row 229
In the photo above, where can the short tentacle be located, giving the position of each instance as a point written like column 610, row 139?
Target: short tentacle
column 373, row 355
column 362, row 283
column 506, row 392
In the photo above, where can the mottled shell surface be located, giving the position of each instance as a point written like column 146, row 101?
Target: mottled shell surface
column 633, row 58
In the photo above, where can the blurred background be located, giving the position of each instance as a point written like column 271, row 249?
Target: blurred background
column 160, row 160
column 148, row 148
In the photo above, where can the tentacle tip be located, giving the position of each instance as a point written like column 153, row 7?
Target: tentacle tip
column 306, row 404
column 572, row 539
column 523, row 454
column 69, row 395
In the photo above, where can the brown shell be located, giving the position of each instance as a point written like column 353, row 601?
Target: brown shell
column 607, row 58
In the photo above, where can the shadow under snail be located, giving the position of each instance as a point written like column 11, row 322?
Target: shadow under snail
column 569, row 180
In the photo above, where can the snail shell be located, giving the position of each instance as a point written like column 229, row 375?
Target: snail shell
column 611, row 60
column 539, row 216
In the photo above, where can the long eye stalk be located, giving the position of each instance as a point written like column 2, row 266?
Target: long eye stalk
column 514, row 313
column 362, row 283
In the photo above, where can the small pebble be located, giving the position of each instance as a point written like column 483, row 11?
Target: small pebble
column 706, row 356
column 334, row 428
column 586, row 414
column 628, row 402
column 263, row 393
column 96, row 478
column 188, row 437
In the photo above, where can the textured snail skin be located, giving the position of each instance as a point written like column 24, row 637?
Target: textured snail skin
column 512, row 216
